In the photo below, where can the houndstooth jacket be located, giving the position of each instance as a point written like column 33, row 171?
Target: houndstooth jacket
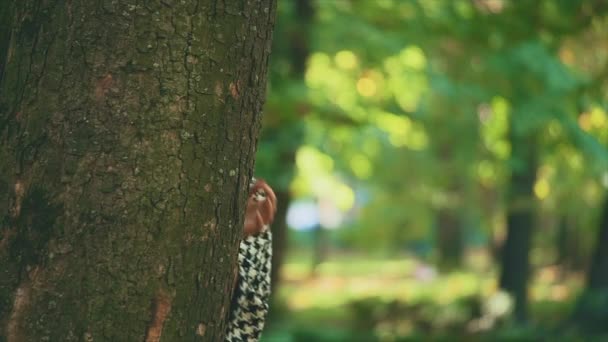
column 250, row 299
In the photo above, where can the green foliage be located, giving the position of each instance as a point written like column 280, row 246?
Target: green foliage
column 416, row 103
column 408, row 109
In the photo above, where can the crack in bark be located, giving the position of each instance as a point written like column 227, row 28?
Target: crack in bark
column 160, row 310
column 14, row 331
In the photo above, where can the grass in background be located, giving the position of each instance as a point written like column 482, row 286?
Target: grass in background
column 357, row 298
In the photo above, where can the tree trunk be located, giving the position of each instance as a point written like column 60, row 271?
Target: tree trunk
column 516, row 249
column 570, row 254
column 127, row 139
column 284, row 130
column 592, row 307
column 279, row 237
column 450, row 243
column 597, row 277
column 563, row 245
column 449, row 237
column 320, row 249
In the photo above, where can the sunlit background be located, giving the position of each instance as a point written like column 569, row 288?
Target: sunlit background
column 441, row 167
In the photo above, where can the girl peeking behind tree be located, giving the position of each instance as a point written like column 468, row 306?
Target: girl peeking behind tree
column 252, row 291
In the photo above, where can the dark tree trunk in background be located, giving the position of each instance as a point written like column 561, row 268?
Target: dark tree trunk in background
column 279, row 237
column 515, row 265
column 592, row 307
column 320, row 249
column 298, row 50
column 597, row 276
column 450, row 239
column 127, row 139
column 562, row 243
column 491, row 205
column 570, row 254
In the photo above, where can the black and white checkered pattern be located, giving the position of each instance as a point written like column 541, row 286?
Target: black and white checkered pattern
column 250, row 299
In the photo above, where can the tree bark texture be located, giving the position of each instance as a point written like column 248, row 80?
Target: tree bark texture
column 515, row 264
column 127, row 138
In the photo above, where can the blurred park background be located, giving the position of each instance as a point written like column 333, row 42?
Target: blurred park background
column 441, row 168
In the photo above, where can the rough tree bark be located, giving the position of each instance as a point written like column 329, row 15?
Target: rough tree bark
column 127, row 139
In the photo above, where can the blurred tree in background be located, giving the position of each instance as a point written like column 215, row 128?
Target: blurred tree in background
column 287, row 106
column 442, row 130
